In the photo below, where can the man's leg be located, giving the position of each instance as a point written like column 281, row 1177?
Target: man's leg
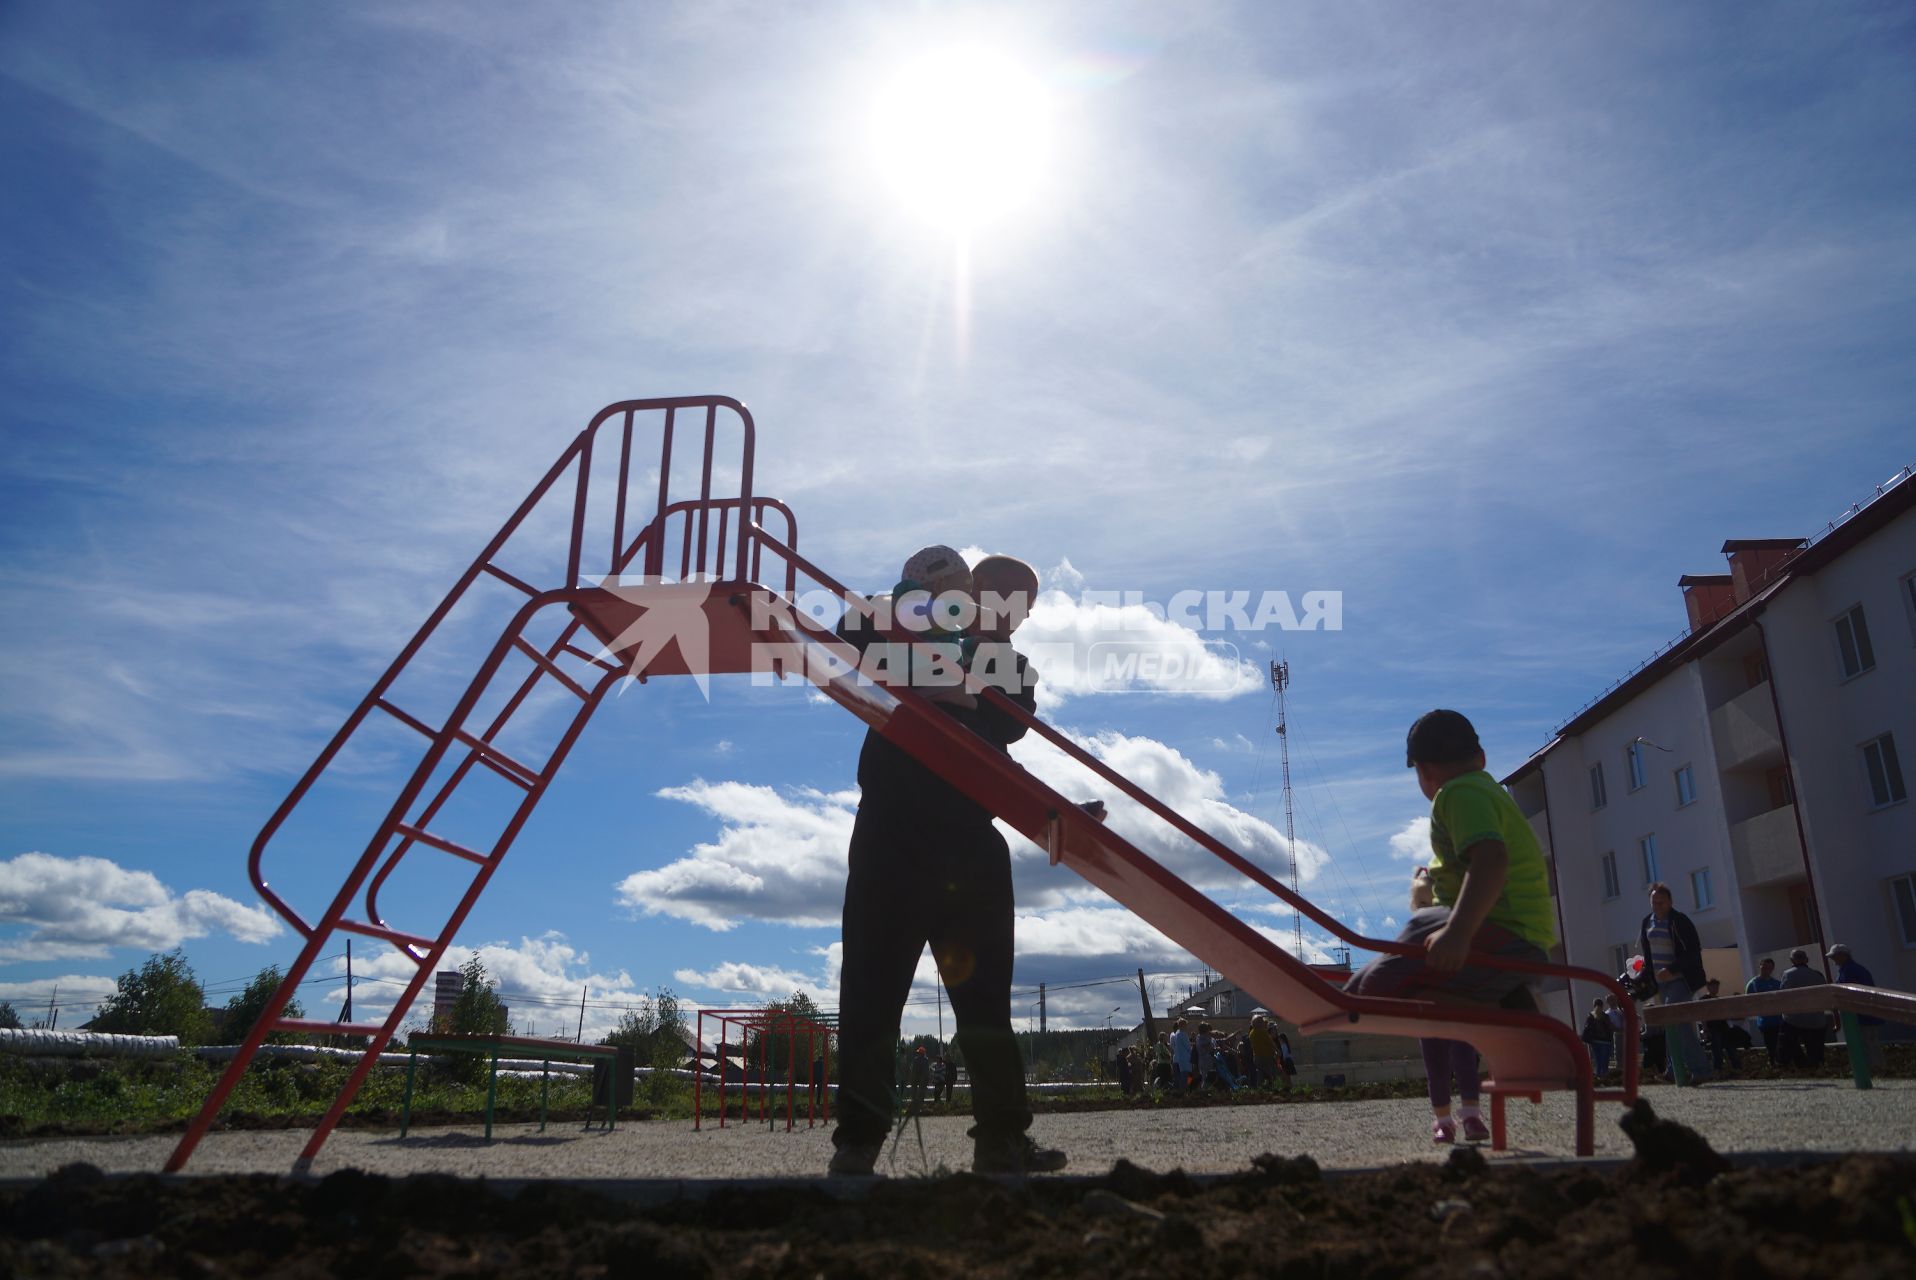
column 971, row 940
column 1683, row 1034
column 1770, row 1044
column 882, row 940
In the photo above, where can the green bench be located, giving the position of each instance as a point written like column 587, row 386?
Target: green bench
column 546, row 1051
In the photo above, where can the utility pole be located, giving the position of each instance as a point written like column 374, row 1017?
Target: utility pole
column 1280, row 680
column 53, row 1011
column 580, row 1038
column 1041, row 1008
column 1150, row 1023
column 346, row 1015
column 938, row 985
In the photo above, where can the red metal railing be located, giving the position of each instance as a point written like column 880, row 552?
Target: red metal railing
column 705, row 552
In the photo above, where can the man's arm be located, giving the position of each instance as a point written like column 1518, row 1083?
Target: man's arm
column 1445, row 949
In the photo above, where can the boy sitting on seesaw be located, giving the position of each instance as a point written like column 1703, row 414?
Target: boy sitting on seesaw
column 1488, row 892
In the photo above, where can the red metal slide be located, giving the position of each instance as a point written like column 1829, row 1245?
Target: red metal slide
column 685, row 592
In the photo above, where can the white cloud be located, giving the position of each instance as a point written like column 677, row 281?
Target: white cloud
column 86, row 907
column 540, row 979
column 778, row 856
column 765, row 982
column 1196, row 793
column 1412, row 842
column 1081, row 645
column 77, row 995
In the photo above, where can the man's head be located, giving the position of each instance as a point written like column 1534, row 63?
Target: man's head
column 1800, row 958
column 1838, row 953
column 1766, row 966
column 1715, row 985
column 1660, row 899
column 1441, row 745
column 1005, row 588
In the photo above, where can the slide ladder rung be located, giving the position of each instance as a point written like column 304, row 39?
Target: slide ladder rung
column 406, row 718
column 508, row 579
column 551, row 668
column 425, row 837
column 395, row 936
column 319, row 1026
column 499, row 762
column 577, row 652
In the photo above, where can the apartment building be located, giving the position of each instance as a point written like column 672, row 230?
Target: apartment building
column 1757, row 765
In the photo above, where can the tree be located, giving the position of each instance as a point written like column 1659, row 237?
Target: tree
column 478, row 1010
column 656, row 1034
column 160, row 998
column 243, row 1010
column 9, row 1020
column 779, row 1037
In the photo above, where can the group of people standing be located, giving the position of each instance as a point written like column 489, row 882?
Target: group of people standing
column 1673, row 958
column 1187, row 1060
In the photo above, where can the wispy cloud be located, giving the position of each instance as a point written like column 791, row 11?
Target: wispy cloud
column 84, row 907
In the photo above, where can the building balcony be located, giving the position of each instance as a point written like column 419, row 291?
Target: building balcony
column 1766, row 849
column 1744, row 729
column 1540, row 827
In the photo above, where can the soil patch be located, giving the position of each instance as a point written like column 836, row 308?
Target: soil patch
column 1677, row 1209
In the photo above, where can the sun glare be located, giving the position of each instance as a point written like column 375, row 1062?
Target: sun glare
column 961, row 137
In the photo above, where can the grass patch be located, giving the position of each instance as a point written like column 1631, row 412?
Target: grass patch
column 121, row 1096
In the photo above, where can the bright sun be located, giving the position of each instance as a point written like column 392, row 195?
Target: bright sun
column 962, row 136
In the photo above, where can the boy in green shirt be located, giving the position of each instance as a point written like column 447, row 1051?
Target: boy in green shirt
column 1492, row 895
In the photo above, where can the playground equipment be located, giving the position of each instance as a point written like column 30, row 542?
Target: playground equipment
column 725, row 609
column 763, row 1029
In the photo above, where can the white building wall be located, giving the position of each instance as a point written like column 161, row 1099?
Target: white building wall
column 1689, row 837
column 1856, row 848
column 1719, row 714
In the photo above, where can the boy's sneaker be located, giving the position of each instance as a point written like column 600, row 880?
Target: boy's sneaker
column 1475, row 1130
column 1443, row 1131
column 855, row 1160
column 1015, row 1154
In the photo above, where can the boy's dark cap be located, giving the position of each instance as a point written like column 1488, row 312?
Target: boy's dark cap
column 1440, row 737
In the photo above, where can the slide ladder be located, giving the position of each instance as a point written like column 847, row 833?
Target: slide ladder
column 684, row 592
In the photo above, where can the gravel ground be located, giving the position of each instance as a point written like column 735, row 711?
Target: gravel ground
column 1735, row 1116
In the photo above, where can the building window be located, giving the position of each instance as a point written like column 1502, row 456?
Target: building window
column 1647, row 848
column 1903, row 889
column 1598, row 797
column 1909, row 602
column 1612, row 887
column 1852, row 643
column 1755, row 668
column 1685, row 786
column 1700, row 891
column 1885, row 773
column 1619, row 956
column 1633, row 756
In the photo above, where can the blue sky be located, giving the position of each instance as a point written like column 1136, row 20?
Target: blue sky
column 1494, row 319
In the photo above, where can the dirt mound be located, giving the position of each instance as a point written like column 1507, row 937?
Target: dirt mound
column 1675, row 1210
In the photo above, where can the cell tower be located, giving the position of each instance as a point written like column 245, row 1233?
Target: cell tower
column 1280, row 679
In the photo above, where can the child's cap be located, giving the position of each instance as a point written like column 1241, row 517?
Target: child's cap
column 1440, row 737
column 938, row 569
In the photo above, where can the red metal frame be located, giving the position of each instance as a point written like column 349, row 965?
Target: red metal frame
column 769, row 1023
column 724, row 540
